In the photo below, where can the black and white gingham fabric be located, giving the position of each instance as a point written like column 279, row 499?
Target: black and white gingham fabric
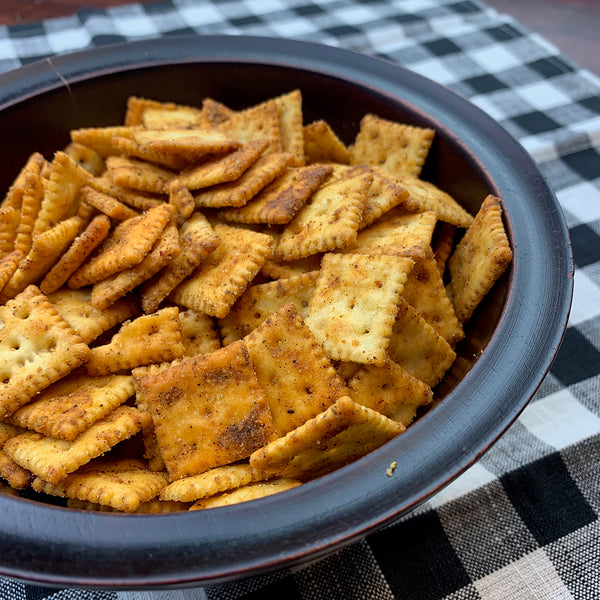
column 523, row 523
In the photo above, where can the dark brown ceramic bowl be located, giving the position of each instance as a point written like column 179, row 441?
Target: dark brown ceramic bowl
column 510, row 344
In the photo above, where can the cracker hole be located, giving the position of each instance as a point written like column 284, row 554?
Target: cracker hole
column 22, row 312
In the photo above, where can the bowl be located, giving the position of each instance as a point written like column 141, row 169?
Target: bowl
column 511, row 340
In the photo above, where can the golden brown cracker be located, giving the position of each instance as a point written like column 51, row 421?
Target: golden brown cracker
column 291, row 121
column 214, row 113
column 396, row 233
column 86, row 157
column 215, row 398
column 428, row 196
column 9, row 226
column 263, row 299
column 278, row 203
column 125, row 247
column 341, row 312
column 280, row 270
column 180, row 117
column 181, row 199
column 330, row 220
column 16, row 476
column 53, row 459
column 106, row 204
column 129, row 147
column 75, row 307
column 140, row 201
column 138, row 174
column 424, row 291
column 145, row 340
column 137, row 105
column 209, row 483
column 82, row 246
column 31, row 202
column 222, row 169
column 68, row 407
column 322, row 144
column 253, row 180
column 200, row 334
column 246, row 493
column 121, row 485
column 390, row 390
column 442, row 244
column 100, row 139
column 418, row 348
column 165, row 250
column 298, row 379
column 481, row 256
column 227, row 271
column 8, row 265
column 397, row 147
column 344, row 432
column 61, row 193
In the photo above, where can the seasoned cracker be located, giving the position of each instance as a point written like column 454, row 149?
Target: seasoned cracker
column 181, row 199
column 75, row 307
column 280, row 270
column 82, row 246
column 330, row 220
column 238, row 192
column 344, row 432
column 180, row 117
column 442, row 244
column 9, row 226
column 200, row 334
column 137, row 107
column 86, row 157
column 263, row 299
column 140, row 201
column 126, row 246
column 291, row 120
column 427, row 196
column 197, row 241
column 222, row 169
column 122, row 485
column 61, row 193
column 208, row 410
column 353, row 307
column 279, row 202
column 68, row 407
column 31, row 202
column 100, row 139
column 298, row 379
column 129, row 147
column 424, row 291
column 16, row 476
column 481, row 256
column 246, row 493
column 214, row 113
column 322, row 145
column 45, row 251
column 209, row 483
column 397, row 233
column 106, row 204
column 146, row 340
column 138, row 174
column 53, row 459
column 224, row 275
column 8, row 265
column 165, row 250
column 417, row 347
column 397, row 147
column 390, row 390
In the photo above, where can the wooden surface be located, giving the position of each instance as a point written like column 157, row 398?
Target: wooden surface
column 572, row 25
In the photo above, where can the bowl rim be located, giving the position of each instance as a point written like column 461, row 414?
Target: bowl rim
column 182, row 550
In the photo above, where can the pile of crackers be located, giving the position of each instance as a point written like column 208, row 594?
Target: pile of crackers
column 203, row 306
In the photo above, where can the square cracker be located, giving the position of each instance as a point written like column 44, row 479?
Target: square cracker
column 343, row 433
column 225, row 274
column 417, row 347
column 208, row 410
column 16, row 476
column 353, row 307
column 146, row 340
column 69, row 406
column 32, row 193
column 196, row 241
column 122, row 484
column 397, row 233
column 291, row 121
column 298, row 379
column 53, row 459
column 37, row 347
column 75, row 307
column 263, row 299
column 481, row 256
column 425, row 291
column 209, row 483
column 279, row 202
column 9, row 225
column 126, row 246
column 138, row 174
column 397, row 147
column 322, row 145
column 390, row 390
column 330, row 220
column 238, row 192
column 200, row 334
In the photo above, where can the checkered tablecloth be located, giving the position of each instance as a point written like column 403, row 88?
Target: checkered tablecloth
column 523, row 523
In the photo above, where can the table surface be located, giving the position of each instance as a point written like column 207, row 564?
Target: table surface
column 522, row 523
